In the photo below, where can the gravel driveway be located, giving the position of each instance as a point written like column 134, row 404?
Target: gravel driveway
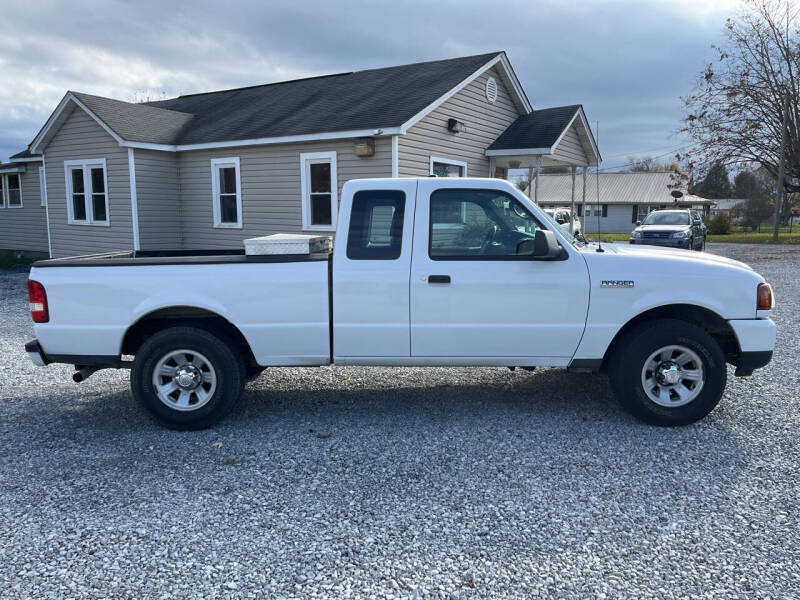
column 408, row 483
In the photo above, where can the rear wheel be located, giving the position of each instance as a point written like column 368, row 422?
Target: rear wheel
column 668, row 372
column 188, row 377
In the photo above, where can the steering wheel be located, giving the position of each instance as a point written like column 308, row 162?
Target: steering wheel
column 520, row 211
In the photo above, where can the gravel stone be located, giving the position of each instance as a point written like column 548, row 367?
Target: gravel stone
column 434, row 483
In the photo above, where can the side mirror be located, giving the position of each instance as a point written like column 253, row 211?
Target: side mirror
column 697, row 222
column 543, row 246
column 638, row 223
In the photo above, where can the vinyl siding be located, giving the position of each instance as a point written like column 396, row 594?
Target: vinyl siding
column 158, row 200
column 617, row 221
column 26, row 228
column 570, row 149
column 484, row 122
column 80, row 137
column 270, row 179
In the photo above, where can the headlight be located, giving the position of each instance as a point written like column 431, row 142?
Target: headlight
column 636, row 234
column 681, row 234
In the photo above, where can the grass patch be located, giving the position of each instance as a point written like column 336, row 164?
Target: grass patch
column 730, row 238
column 10, row 262
column 755, row 238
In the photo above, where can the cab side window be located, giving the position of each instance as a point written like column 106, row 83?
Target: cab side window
column 376, row 225
column 490, row 226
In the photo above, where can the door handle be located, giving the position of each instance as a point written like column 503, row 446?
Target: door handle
column 438, row 279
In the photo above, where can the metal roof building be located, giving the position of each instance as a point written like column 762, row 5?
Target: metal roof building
column 624, row 197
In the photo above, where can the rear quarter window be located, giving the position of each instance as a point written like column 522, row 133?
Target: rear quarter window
column 376, row 225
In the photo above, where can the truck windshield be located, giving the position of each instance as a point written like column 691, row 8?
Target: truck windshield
column 667, row 218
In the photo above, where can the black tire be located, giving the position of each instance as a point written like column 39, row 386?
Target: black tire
column 224, row 358
column 631, row 353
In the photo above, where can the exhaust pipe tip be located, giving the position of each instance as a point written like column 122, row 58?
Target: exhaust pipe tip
column 83, row 373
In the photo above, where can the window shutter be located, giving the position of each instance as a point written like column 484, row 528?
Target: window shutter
column 634, row 214
column 580, row 210
column 605, row 210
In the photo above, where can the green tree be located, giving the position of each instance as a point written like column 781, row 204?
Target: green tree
column 747, row 184
column 717, row 183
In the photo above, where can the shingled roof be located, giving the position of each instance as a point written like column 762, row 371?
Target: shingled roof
column 539, row 129
column 137, row 122
column 384, row 98
column 25, row 154
column 371, row 99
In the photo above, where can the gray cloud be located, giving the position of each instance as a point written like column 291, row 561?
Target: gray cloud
column 627, row 61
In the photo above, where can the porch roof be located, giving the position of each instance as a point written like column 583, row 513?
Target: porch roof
column 12, row 167
column 553, row 136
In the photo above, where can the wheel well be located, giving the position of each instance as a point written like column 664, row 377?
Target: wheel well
column 716, row 326
column 183, row 315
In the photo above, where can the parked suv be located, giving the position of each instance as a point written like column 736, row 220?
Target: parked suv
column 676, row 228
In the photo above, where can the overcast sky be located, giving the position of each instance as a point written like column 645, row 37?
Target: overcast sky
column 626, row 61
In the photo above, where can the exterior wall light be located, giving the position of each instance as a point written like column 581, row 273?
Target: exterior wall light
column 364, row 146
column 455, row 126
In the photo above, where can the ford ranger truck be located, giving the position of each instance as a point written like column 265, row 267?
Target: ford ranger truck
column 423, row 272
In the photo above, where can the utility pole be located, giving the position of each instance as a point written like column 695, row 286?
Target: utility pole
column 781, row 168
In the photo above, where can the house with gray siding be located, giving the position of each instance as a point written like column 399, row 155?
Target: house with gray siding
column 205, row 171
column 23, row 206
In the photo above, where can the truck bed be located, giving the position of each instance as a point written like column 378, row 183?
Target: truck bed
column 279, row 303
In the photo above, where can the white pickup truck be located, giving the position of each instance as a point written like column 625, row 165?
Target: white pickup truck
column 424, row 272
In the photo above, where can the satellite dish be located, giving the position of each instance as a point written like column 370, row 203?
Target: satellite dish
column 676, row 194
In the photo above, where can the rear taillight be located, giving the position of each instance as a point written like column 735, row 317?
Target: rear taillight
column 764, row 298
column 37, row 299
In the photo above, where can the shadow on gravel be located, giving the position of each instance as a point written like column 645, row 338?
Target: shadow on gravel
column 545, row 400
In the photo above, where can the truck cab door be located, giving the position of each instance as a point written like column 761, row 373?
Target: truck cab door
column 371, row 265
column 474, row 298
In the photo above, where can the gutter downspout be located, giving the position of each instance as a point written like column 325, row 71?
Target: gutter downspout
column 47, row 208
column 134, row 203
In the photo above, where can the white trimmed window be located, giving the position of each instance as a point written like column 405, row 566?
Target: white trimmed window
column 42, row 186
column 13, row 190
column 87, row 192
column 319, row 189
column 447, row 167
column 227, row 190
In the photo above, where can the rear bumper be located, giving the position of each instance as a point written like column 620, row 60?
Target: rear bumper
column 36, row 354
column 39, row 358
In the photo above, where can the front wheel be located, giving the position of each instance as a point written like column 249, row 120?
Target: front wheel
column 668, row 372
column 188, row 377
